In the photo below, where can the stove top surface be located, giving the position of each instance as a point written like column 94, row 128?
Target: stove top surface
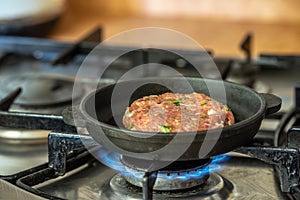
column 241, row 177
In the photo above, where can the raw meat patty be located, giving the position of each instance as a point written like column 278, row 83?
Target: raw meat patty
column 171, row 112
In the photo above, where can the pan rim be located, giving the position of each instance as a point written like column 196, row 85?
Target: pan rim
column 252, row 119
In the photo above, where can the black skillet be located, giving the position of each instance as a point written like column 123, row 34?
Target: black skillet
column 248, row 106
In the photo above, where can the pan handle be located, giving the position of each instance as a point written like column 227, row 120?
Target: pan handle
column 68, row 116
column 273, row 103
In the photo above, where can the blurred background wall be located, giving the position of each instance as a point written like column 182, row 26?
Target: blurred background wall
column 216, row 24
column 267, row 11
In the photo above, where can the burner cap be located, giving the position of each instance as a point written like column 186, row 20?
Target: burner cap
column 38, row 89
column 216, row 187
column 177, row 176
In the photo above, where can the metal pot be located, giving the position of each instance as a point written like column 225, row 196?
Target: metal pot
column 29, row 17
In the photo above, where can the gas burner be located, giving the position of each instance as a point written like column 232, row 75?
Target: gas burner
column 42, row 94
column 215, row 187
column 177, row 176
column 39, row 90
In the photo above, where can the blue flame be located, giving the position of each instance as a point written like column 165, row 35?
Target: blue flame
column 112, row 160
column 214, row 166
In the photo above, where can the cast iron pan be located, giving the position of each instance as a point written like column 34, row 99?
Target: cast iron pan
column 249, row 109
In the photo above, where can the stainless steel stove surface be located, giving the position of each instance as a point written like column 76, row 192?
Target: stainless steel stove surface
column 240, row 178
column 17, row 157
column 57, row 166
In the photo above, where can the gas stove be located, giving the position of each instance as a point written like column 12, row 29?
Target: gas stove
column 42, row 156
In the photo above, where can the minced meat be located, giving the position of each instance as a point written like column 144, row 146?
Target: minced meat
column 170, row 112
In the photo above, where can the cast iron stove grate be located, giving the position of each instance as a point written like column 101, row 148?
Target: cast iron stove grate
column 66, row 153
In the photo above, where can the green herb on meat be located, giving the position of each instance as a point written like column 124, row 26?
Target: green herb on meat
column 130, row 126
column 175, row 101
column 165, row 129
column 202, row 103
column 225, row 107
column 204, row 117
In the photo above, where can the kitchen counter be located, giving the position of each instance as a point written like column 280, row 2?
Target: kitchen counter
column 220, row 36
